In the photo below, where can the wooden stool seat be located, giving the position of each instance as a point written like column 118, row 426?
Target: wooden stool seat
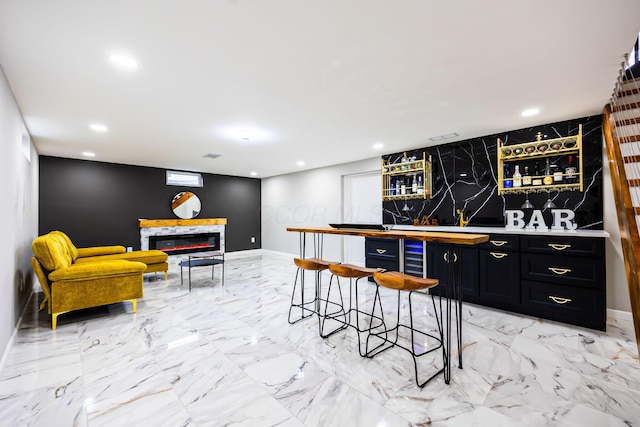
column 349, row 315
column 352, row 271
column 389, row 338
column 403, row 282
column 312, row 306
column 313, row 264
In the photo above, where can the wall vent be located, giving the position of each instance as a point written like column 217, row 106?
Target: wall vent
column 212, row 155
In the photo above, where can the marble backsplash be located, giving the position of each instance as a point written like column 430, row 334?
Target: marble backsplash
column 465, row 177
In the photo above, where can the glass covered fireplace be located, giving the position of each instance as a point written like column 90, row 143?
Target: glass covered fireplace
column 185, row 243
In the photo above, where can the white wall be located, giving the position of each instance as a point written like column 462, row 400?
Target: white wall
column 313, row 198
column 18, row 216
column 310, row 198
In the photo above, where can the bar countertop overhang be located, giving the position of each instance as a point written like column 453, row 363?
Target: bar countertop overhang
column 422, row 235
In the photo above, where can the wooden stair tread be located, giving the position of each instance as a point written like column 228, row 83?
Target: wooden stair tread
column 629, row 121
column 629, row 92
column 629, row 138
column 624, row 107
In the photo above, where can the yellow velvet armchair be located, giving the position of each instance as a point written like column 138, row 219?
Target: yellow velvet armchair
column 68, row 285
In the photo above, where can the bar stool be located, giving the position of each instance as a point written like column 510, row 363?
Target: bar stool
column 316, row 265
column 407, row 283
column 351, row 272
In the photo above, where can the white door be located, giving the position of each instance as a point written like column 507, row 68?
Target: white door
column 361, row 203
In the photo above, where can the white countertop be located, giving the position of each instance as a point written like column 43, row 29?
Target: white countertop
column 503, row 230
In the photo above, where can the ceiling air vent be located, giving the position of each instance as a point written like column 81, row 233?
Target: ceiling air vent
column 212, row 155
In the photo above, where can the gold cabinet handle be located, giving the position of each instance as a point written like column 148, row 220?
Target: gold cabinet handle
column 381, row 251
column 559, row 300
column 498, row 255
column 498, row 242
column 558, row 246
column 560, row 271
column 446, row 258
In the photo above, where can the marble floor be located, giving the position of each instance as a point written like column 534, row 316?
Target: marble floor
column 219, row 356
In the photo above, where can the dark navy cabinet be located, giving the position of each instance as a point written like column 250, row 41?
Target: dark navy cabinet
column 559, row 278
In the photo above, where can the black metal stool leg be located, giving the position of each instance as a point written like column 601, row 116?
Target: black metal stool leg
column 303, row 304
column 334, row 315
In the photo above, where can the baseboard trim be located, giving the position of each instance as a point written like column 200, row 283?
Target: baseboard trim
column 619, row 314
column 5, row 353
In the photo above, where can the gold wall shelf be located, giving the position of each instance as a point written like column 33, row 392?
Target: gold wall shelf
column 541, row 149
column 394, row 175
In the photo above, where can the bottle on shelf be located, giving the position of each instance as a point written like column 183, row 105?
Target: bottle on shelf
column 404, row 161
column 414, row 185
column 548, row 178
column 517, row 177
column 508, row 182
column 537, row 178
column 397, row 186
column 570, row 171
column 403, row 187
column 420, row 185
column 557, row 174
column 526, row 177
column 392, row 188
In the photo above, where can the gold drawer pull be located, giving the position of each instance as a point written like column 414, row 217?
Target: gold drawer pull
column 559, row 300
column 498, row 255
column 498, row 242
column 558, row 247
column 446, row 258
column 560, row 271
column 381, row 251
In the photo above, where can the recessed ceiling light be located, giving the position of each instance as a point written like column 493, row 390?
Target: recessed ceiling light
column 378, row 146
column 530, row 112
column 300, row 163
column 123, row 61
column 98, row 127
column 245, row 135
column 254, row 173
column 88, row 154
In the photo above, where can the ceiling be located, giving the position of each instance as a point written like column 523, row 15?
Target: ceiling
column 318, row 81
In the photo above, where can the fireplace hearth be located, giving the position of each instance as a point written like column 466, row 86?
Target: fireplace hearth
column 185, row 243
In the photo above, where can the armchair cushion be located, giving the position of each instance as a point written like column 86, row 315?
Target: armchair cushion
column 100, row 250
column 89, row 270
column 153, row 256
column 52, row 252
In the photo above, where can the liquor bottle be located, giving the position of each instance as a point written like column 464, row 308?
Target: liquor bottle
column 526, row 178
column 557, row 174
column 570, row 171
column 420, row 185
column 517, row 177
column 397, row 186
column 548, row 178
column 537, row 178
column 392, row 189
column 414, row 185
column 508, row 182
column 403, row 187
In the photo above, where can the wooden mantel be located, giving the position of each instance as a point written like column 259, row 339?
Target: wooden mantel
column 144, row 223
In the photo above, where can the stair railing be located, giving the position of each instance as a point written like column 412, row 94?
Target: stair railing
column 623, row 148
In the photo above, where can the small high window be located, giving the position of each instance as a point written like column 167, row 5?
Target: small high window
column 184, row 179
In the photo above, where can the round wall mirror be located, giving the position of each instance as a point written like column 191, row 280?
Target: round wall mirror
column 186, row 205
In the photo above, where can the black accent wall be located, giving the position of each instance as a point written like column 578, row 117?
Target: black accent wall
column 98, row 203
column 465, row 177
